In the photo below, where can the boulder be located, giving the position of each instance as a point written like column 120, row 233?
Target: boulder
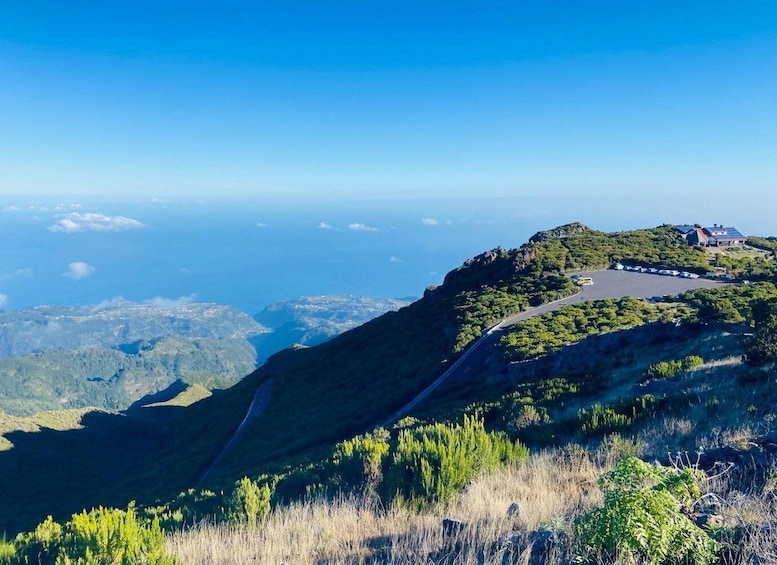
column 451, row 527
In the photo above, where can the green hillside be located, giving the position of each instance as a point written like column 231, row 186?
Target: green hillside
column 573, row 376
column 114, row 379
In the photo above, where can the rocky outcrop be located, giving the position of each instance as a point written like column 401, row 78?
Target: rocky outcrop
column 567, row 230
column 490, row 268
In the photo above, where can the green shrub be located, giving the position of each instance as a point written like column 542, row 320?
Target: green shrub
column 248, row 503
column 761, row 347
column 668, row 369
column 601, row 419
column 7, row 552
column 644, row 517
column 431, row 463
column 356, row 463
column 572, row 323
column 186, row 509
column 41, row 545
column 102, row 535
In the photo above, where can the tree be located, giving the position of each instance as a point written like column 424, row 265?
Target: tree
column 762, row 346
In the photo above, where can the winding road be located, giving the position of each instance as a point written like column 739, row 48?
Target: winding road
column 607, row 284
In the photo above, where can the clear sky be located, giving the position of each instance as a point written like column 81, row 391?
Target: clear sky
column 343, row 99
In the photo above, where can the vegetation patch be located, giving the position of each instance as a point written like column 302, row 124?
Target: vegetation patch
column 99, row 536
column 550, row 332
column 668, row 369
column 645, row 518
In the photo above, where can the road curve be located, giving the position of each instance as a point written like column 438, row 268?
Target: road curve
column 607, row 284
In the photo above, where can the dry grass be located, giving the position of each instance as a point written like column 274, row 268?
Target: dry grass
column 550, row 488
column 553, row 489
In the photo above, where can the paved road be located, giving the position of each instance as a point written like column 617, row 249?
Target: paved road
column 607, row 284
column 257, row 407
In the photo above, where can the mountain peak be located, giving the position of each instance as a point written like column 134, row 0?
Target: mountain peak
column 560, row 232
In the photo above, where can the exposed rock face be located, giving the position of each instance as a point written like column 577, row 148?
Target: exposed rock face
column 567, row 230
column 489, row 268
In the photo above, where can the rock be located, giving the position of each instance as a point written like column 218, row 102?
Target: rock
column 451, row 527
column 708, row 520
column 517, row 512
column 543, row 543
column 512, row 546
column 561, row 232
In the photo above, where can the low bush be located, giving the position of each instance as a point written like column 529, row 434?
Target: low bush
column 668, row 369
column 249, row 503
column 429, row 464
column 645, row 518
column 356, row 463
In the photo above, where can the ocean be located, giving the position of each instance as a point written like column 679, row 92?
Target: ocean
column 252, row 253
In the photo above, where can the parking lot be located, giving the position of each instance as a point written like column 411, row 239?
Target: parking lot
column 617, row 284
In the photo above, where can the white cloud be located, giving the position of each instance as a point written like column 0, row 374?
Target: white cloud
column 78, row 270
column 108, row 303
column 161, row 302
column 92, row 221
column 430, row 222
column 394, row 259
column 70, row 206
column 26, row 273
column 261, row 225
column 10, row 208
column 324, row 226
column 361, row 227
column 3, row 300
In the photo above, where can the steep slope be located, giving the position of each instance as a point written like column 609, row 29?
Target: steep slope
column 310, row 320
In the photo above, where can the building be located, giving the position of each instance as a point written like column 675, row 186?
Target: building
column 685, row 230
column 721, row 236
column 697, row 237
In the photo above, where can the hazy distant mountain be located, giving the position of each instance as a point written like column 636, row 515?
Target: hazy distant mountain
column 113, row 324
column 113, row 354
column 116, row 378
column 310, row 320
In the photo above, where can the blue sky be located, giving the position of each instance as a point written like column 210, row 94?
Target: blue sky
column 293, row 100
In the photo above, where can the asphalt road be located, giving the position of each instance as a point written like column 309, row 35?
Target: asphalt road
column 607, row 284
column 258, row 405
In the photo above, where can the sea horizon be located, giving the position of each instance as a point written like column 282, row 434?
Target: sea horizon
column 251, row 253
